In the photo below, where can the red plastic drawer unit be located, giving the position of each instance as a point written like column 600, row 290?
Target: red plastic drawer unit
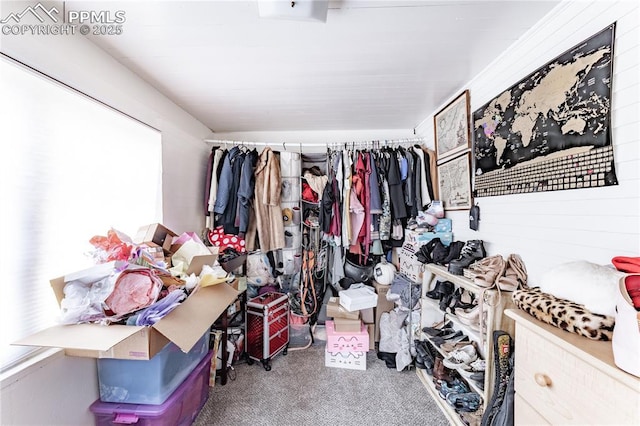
column 267, row 325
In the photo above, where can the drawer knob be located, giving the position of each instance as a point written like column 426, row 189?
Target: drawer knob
column 542, row 379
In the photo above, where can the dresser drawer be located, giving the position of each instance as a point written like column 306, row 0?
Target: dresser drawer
column 526, row 415
column 565, row 389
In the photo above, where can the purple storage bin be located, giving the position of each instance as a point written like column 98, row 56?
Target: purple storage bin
column 180, row 409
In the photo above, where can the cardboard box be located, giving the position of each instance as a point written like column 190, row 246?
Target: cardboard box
column 343, row 325
column 383, row 306
column 443, row 225
column 367, row 316
column 334, row 310
column 183, row 326
column 359, row 298
column 157, row 234
column 347, row 342
column 420, row 238
column 371, row 331
column 347, row 360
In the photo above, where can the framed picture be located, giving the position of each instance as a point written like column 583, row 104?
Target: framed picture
column 454, row 183
column 451, row 128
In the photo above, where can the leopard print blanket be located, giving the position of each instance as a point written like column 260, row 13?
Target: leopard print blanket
column 564, row 314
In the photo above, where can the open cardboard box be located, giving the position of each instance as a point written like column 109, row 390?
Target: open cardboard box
column 183, row 326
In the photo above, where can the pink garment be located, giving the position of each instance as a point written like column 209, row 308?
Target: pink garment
column 134, row 289
column 356, row 211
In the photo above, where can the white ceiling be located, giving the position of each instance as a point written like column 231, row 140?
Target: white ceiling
column 372, row 65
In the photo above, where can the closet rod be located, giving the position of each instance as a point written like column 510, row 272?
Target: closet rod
column 299, row 145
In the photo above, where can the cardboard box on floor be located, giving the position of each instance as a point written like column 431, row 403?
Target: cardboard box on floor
column 383, row 306
column 183, row 326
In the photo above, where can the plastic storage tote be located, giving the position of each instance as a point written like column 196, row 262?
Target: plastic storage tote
column 180, row 409
column 148, row 381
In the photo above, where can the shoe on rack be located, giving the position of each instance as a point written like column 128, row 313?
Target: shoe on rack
column 515, row 274
column 441, row 288
column 454, row 344
column 439, row 253
column 473, row 250
column 424, row 254
column 441, row 373
column 460, row 357
column 489, row 269
column 478, row 378
column 424, row 359
column 439, row 340
column 451, row 387
column 438, row 329
column 468, row 402
column 471, row 418
column 476, row 366
column 455, row 248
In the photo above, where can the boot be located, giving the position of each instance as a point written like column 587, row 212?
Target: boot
column 439, row 252
column 473, row 250
column 441, row 289
column 455, row 248
column 502, row 351
column 440, row 372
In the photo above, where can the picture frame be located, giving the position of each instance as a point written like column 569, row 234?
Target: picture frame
column 452, row 132
column 454, row 182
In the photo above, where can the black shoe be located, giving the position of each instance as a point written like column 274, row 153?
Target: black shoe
column 424, row 254
column 455, row 248
column 473, row 250
column 441, row 288
column 439, row 253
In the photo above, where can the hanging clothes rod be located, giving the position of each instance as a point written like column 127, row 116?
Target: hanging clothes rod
column 372, row 143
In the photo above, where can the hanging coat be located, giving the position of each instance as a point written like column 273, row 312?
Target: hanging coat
column 268, row 215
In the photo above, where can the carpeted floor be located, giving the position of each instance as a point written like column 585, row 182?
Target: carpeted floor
column 300, row 390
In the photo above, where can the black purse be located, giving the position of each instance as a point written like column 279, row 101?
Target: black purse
column 358, row 268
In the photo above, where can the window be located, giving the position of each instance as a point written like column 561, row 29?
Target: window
column 71, row 168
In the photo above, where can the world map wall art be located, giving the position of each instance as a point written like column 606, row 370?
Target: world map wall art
column 551, row 130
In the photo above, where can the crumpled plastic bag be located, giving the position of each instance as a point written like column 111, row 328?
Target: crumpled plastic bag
column 85, row 292
column 134, row 289
column 115, row 246
column 259, row 270
column 83, row 302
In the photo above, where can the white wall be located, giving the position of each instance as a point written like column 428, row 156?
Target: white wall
column 58, row 390
column 587, row 224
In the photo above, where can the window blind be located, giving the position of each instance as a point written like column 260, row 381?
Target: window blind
column 72, row 168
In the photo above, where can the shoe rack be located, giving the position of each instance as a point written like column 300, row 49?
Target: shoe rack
column 494, row 305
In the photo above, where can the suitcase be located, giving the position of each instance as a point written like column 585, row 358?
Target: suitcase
column 267, row 323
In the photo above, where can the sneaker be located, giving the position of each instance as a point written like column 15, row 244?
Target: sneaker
column 461, row 357
column 454, row 386
column 467, row 402
column 473, row 250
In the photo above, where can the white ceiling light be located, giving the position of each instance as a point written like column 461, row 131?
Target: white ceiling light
column 299, row 10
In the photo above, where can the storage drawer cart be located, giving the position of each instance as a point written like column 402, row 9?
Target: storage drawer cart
column 267, row 323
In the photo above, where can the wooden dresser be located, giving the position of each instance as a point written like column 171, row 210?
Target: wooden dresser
column 566, row 379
